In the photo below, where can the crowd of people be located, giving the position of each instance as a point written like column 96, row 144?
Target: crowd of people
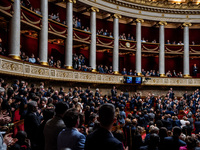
column 77, row 24
column 79, row 63
column 78, row 118
column 153, row 73
column 36, row 60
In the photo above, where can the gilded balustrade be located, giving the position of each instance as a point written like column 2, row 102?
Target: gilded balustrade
column 10, row 66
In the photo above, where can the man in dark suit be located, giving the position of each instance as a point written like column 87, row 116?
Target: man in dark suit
column 124, row 71
column 171, row 94
column 32, row 123
column 114, row 92
column 197, row 125
column 174, row 73
column 130, row 72
column 173, row 142
column 102, row 138
column 195, row 70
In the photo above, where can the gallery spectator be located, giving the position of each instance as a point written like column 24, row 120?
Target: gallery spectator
column 32, row 59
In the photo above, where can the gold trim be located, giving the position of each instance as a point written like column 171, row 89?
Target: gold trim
column 32, row 22
column 164, row 23
column 106, row 44
column 128, row 45
column 187, row 76
column 163, row 76
column 116, row 72
column 145, row 48
column 71, row 1
column 186, row 24
column 94, row 70
column 44, row 63
column 139, row 20
column 58, row 32
column 69, row 67
column 94, row 9
column 5, row 8
column 155, row 4
column 140, row 74
column 15, row 57
column 118, row 16
column 85, row 39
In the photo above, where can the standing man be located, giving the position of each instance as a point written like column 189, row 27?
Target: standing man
column 70, row 137
column 114, row 92
column 54, row 126
column 195, row 69
column 102, row 138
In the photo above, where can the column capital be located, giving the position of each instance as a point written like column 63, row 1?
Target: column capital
column 71, row 1
column 186, row 24
column 117, row 16
column 139, row 20
column 94, row 9
column 164, row 23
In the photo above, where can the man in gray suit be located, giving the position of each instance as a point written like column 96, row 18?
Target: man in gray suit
column 54, row 126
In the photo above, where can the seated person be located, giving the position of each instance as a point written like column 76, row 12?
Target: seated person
column 168, row 42
column 32, row 59
column 101, row 69
column 124, row 71
column 143, row 40
column 130, row 72
column 180, row 43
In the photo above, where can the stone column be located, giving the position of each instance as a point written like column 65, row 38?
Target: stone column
column 162, row 48
column 116, row 18
column 139, row 47
column 186, row 55
column 43, row 47
column 92, row 61
column 69, row 40
column 15, row 28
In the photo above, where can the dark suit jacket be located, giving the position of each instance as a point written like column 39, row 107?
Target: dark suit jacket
column 172, row 143
column 31, row 125
column 102, row 139
column 124, row 72
column 197, row 127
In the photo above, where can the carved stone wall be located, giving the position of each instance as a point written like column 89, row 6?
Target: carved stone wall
column 24, row 69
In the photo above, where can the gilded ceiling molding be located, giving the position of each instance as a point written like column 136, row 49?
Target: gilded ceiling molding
column 186, row 24
column 117, row 16
column 139, row 20
column 164, row 23
column 160, row 7
column 95, row 9
column 71, row 1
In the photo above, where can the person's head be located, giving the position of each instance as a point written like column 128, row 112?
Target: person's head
column 21, row 136
column 154, row 130
column 32, row 55
column 71, row 118
column 106, row 115
column 163, row 132
column 154, row 140
column 48, row 114
column 61, row 108
column 191, row 142
column 176, row 131
column 32, row 106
